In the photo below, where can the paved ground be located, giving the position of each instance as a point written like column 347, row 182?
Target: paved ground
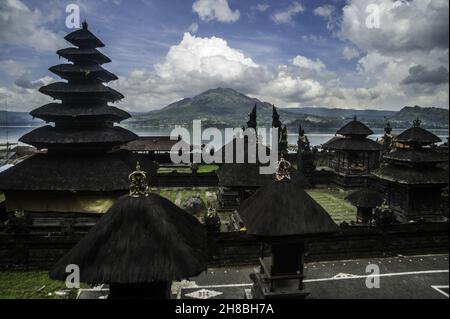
column 405, row 277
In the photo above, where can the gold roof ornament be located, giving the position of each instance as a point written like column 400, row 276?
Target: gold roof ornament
column 283, row 170
column 138, row 182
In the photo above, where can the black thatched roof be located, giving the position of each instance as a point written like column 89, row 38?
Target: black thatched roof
column 55, row 111
column 282, row 209
column 68, row 91
column 83, row 72
column 248, row 175
column 237, row 142
column 355, row 128
column 417, row 135
column 352, row 144
column 422, row 156
column 84, row 55
column 84, row 38
column 74, row 172
column 365, row 198
column 412, row 176
column 82, row 137
column 139, row 240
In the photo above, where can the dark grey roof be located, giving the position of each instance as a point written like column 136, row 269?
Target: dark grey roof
column 283, row 209
column 84, row 38
column 83, row 72
column 352, row 144
column 412, row 176
column 355, row 128
column 55, row 111
column 84, row 137
column 237, row 142
column 248, row 175
column 365, row 198
column 66, row 91
column 84, row 55
column 413, row 156
column 417, row 135
column 139, row 240
column 74, row 172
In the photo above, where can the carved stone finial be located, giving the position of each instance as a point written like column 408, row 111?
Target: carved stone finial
column 283, row 170
column 138, row 182
column 417, row 122
column 85, row 25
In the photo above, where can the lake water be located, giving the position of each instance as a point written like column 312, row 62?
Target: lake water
column 316, row 137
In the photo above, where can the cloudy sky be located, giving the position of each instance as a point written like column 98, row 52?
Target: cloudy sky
column 380, row 54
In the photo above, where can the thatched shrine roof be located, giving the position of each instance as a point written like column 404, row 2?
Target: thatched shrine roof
column 355, row 128
column 417, row 135
column 365, row 198
column 248, row 175
column 55, row 111
column 419, row 157
column 141, row 239
column 83, row 55
column 83, row 72
column 74, row 172
column 352, row 144
column 77, row 138
column 412, row 176
column 68, row 91
column 281, row 209
column 84, row 38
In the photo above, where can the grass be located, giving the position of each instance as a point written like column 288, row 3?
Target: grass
column 333, row 202
column 32, row 285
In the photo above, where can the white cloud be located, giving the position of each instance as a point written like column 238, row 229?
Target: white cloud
column 412, row 33
column 261, row 7
column 193, row 28
column 308, row 64
column 328, row 12
column 287, row 15
column 209, row 10
column 350, row 53
column 19, row 25
column 324, row 11
column 11, row 67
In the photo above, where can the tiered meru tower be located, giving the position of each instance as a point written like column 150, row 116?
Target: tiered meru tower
column 80, row 168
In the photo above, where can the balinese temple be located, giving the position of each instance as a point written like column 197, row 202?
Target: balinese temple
column 412, row 178
column 283, row 216
column 354, row 154
column 142, row 244
column 80, row 168
column 238, row 181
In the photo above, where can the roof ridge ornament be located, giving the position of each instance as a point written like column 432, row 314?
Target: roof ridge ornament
column 417, row 122
column 85, row 25
column 283, row 170
column 138, row 182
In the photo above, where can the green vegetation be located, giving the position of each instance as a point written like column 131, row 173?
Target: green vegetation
column 183, row 193
column 2, row 197
column 33, row 285
column 334, row 203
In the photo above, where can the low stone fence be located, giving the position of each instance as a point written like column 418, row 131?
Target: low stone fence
column 43, row 245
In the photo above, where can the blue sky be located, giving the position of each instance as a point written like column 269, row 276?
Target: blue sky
column 291, row 53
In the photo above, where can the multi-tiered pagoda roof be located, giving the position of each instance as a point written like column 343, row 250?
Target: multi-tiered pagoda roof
column 83, row 141
column 414, row 163
column 353, row 137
